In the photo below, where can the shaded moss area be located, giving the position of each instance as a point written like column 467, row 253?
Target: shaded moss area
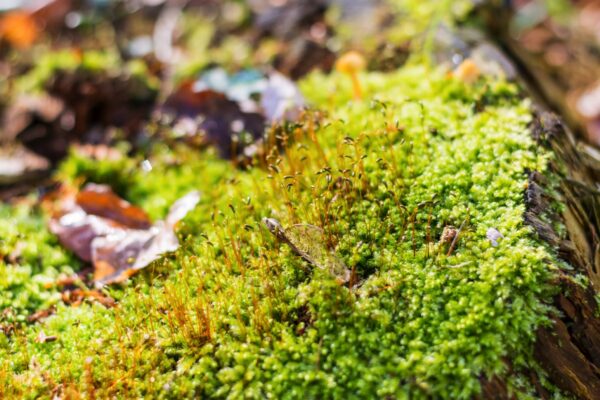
column 235, row 313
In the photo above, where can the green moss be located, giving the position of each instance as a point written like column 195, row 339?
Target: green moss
column 31, row 260
column 235, row 313
column 89, row 61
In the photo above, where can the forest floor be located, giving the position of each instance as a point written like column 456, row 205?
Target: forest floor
column 319, row 199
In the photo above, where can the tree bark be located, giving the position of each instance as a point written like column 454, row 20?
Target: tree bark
column 568, row 349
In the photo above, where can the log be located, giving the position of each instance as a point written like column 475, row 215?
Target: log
column 569, row 348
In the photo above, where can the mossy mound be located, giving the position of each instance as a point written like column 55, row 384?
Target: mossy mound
column 234, row 313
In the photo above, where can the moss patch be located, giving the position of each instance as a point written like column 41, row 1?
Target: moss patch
column 235, row 313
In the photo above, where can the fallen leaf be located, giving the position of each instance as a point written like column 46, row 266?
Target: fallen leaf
column 220, row 120
column 76, row 230
column 17, row 164
column 239, row 87
column 121, row 254
column 281, row 100
column 50, row 13
column 308, row 242
column 28, row 109
column 232, row 111
column 114, row 235
column 100, row 200
column 93, row 212
column 102, row 99
column 78, row 106
column 303, row 55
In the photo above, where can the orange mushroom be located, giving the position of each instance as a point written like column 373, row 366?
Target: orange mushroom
column 467, row 71
column 351, row 63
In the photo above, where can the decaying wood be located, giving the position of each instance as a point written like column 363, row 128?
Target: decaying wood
column 569, row 348
column 494, row 388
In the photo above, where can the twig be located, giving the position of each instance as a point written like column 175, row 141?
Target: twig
column 455, row 240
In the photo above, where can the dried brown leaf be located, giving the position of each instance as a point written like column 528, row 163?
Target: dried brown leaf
column 114, row 235
column 100, row 200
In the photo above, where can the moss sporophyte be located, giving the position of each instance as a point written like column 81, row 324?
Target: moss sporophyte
column 238, row 312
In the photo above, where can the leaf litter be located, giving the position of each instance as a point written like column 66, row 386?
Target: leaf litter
column 231, row 111
column 117, row 237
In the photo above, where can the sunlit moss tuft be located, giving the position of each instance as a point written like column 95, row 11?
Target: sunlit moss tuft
column 235, row 313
